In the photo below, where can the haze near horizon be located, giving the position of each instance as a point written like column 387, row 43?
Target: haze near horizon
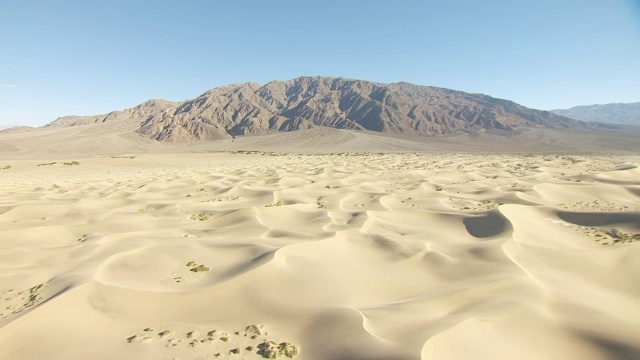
column 76, row 58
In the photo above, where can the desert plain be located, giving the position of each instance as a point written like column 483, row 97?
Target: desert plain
column 203, row 254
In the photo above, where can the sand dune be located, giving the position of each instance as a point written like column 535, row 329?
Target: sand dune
column 336, row 256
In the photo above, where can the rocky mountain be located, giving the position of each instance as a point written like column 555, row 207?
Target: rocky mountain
column 307, row 102
column 140, row 112
column 609, row 113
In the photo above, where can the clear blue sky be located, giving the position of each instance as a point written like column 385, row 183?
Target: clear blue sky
column 86, row 57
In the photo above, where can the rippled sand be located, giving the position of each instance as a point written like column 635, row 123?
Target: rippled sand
column 369, row 256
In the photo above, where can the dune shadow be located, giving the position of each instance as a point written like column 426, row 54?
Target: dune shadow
column 633, row 190
column 328, row 329
column 599, row 218
column 614, row 349
column 485, row 226
column 246, row 266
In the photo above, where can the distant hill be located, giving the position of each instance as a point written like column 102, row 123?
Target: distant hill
column 14, row 128
column 4, row 127
column 628, row 114
column 142, row 111
column 308, row 102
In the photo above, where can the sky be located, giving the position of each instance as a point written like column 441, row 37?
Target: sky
column 87, row 57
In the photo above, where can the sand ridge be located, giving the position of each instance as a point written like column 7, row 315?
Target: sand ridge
column 358, row 256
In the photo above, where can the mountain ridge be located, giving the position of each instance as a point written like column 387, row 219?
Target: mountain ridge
column 306, row 102
column 613, row 113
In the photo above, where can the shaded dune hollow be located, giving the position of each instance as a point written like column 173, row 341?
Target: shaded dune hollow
column 251, row 255
column 488, row 225
column 600, row 219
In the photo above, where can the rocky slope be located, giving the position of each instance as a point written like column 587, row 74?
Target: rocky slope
column 140, row 112
column 306, row 102
column 609, row 113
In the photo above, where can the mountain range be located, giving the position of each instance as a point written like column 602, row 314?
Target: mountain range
column 608, row 113
column 308, row 102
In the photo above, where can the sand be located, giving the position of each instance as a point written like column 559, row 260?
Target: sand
column 331, row 256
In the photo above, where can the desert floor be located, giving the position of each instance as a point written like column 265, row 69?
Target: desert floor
column 335, row 256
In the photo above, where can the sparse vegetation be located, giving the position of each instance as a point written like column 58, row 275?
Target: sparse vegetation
column 228, row 198
column 279, row 203
column 72, row 163
column 622, row 237
column 48, row 164
column 36, row 288
column 597, row 205
column 195, row 267
column 271, row 350
column 254, row 329
column 200, row 217
column 237, row 343
column 20, row 301
column 611, row 236
column 287, row 349
column 268, row 349
column 199, row 268
column 83, row 238
column 7, row 167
